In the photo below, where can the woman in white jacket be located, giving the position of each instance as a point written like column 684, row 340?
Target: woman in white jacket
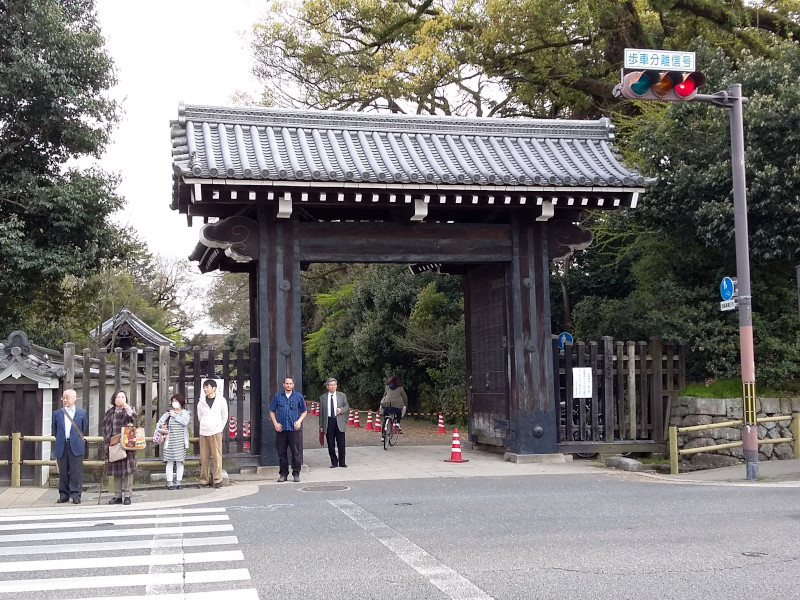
column 175, row 425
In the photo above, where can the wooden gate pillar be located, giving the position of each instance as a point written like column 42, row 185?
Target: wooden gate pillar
column 278, row 301
column 533, row 418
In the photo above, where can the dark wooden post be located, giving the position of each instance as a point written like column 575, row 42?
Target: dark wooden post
column 608, row 388
column 197, row 380
column 620, row 356
column 69, row 365
column 278, row 276
column 644, row 432
column 147, row 398
column 133, row 360
column 117, row 369
column 255, row 396
column 533, row 415
column 581, row 402
column 595, row 386
column 102, row 383
column 240, row 368
column 657, row 396
column 569, row 401
column 163, row 378
column 86, row 384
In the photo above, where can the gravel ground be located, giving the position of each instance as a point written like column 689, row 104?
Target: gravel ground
column 415, row 433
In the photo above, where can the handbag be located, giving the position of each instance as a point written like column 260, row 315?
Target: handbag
column 321, row 437
column 133, row 438
column 159, row 437
column 116, row 452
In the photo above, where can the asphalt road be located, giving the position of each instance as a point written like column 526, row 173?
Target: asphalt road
column 568, row 536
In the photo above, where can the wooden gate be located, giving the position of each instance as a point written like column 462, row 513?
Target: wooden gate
column 20, row 411
column 487, row 354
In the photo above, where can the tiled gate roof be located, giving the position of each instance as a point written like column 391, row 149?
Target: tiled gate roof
column 342, row 149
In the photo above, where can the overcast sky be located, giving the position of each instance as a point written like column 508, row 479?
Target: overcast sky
column 168, row 51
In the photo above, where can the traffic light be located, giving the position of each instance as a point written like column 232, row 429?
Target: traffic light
column 666, row 86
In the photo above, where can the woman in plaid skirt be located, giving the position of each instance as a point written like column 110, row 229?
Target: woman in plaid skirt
column 118, row 416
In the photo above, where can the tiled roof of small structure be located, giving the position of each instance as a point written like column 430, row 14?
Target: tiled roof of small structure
column 142, row 329
column 325, row 146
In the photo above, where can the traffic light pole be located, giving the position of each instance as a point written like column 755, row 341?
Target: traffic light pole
column 732, row 98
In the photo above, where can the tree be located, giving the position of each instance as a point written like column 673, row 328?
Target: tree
column 55, row 226
column 487, row 58
column 689, row 246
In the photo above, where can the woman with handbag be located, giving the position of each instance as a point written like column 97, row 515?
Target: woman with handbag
column 173, row 428
column 122, row 469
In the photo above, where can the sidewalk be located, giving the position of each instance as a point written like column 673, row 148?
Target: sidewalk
column 368, row 463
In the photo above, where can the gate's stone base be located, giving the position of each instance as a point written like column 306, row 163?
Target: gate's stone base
column 536, row 458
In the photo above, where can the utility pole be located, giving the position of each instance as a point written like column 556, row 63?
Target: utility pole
column 732, row 98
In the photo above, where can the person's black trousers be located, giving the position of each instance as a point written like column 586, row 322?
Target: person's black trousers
column 70, row 474
column 291, row 440
column 335, row 439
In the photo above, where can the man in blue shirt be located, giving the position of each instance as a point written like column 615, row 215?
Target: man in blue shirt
column 287, row 411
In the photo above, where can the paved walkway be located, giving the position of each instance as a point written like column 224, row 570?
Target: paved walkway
column 399, row 462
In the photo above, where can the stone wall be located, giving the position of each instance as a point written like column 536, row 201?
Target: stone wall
column 688, row 411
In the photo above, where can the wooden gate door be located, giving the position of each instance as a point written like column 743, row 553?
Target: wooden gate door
column 20, row 411
column 485, row 305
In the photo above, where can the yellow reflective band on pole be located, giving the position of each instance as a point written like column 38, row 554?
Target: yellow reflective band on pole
column 749, row 402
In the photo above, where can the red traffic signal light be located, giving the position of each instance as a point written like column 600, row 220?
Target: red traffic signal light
column 666, row 86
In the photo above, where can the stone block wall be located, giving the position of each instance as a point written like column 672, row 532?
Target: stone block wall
column 689, row 410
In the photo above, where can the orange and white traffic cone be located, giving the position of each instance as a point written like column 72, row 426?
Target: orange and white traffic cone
column 455, row 452
column 369, row 421
column 312, row 409
column 350, row 417
column 356, row 422
column 378, row 422
column 441, row 424
column 232, row 429
column 246, row 433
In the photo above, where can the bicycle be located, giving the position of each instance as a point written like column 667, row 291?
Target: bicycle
column 390, row 431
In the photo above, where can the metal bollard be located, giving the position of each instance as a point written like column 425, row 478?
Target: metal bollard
column 796, row 433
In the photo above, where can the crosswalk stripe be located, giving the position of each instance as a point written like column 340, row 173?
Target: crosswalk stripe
column 101, row 513
column 66, row 524
column 118, row 581
column 121, row 561
column 127, row 545
column 72, row 535
column 246, row 594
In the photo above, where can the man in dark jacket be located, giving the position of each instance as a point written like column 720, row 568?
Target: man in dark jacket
column 69, row 425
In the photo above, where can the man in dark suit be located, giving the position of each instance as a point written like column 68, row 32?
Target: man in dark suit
column 333, row 421
column 69, row 447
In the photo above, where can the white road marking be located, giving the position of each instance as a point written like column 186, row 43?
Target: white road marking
column 451, row 583
column 119, row 581
column 103, row 513
column 116, row 522
column 110, row 546
column 246, row 594
column 121, row 561
column 148, row 531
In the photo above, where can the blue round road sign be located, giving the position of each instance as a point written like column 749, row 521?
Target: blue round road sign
column 726, row 288
column 564, row 338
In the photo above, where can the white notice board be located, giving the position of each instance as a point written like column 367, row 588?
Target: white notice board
column 582, row 382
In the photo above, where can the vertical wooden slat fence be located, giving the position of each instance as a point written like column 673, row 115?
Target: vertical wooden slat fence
column 150, row 378
column 632, row 387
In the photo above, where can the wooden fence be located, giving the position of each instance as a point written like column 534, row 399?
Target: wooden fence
column 161, row 372
column 633, row 384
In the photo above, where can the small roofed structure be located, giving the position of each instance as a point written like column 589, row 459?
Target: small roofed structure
column 125, row 330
